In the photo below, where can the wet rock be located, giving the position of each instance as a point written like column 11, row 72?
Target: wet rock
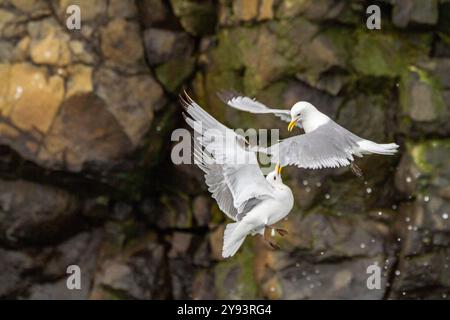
column 172, row 74
column 19, row 103
column 201, row 208
column 196, row 17
column 101, row 144
column 92, row 11
column 81, row 250
column 419, row 98
column 33, row 8
column 122, row 9
column 49, row 43
column 303, row 280
column 234, row 278
column 152, row 12
column 202, row 284
column 131, row 99
column 173, row 212
column 138, row 272
column 314, row 10
column 423, row 225
column 181, row 242
column 33, row 213
column 15, row 265
column 244, row 11
column 164, row 45
column 415, row 12
column 80, row 80
column 121, row 43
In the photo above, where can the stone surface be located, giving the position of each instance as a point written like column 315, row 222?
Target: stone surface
column 33, row 213
column 415, row 12
column 164, row 45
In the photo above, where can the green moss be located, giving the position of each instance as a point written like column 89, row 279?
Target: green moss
column 430, row 155
column 382, row 54
column 234, row 278
column 173, row 73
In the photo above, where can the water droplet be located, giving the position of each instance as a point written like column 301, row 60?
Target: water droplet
column 18, row 93
column 397, row 84
column 318, row 184
column 445, row 216
column 407, row 219
column 444, row 296
column 426, row 198
column 380, row 213
column 305, row 182
column 369, row 190
column 404, row 293
column 362, row 245
column 408, row 179
column 322, row 253
column 272, row 289
column 397, row 272
column 308, row 189
column 297, row 265
column 409, row 227
column 394, row 207
column 399, row 239
column 327, row 196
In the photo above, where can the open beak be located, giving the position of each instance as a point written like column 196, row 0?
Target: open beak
column 292, row 124
column 278, row 169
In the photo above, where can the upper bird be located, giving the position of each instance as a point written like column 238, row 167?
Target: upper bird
column 235, row 180
column 325, row 144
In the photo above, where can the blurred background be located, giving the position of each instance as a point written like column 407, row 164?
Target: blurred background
column 85, row 127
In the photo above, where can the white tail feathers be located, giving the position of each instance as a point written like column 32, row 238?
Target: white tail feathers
column 232, row 241
column 367, row 146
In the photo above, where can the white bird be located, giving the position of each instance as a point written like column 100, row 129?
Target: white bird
column 325, row 144
column 239, row 187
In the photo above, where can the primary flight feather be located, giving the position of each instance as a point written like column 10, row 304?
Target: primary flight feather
column 235, row 179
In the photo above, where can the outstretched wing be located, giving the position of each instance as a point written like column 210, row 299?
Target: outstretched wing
column 243, row 103
column 329, row 146
column 232, row 172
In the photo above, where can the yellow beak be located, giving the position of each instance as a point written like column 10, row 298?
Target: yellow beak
column 292, row 124
column 278, row 169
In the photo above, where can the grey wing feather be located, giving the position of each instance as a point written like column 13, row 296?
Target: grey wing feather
column 329, row 146
column 237, row 187
column 243, row 103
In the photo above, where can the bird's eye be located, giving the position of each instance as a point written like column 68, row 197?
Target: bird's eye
column 274, row 178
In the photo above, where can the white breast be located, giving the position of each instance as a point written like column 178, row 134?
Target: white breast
column 313, row 120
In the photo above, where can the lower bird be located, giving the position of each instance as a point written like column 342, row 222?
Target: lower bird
column 236, row 181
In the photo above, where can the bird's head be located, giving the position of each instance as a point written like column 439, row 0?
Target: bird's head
column 275, row 176
column 299, row 112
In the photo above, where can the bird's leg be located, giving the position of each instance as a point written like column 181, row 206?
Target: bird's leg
column 272, row 244
column 356, row 170
column 281, row 232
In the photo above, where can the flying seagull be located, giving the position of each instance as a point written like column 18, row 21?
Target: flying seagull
column 240, row 189
column 325, row 143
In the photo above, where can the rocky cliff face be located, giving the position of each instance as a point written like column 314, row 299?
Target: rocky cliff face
column 85, row 125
